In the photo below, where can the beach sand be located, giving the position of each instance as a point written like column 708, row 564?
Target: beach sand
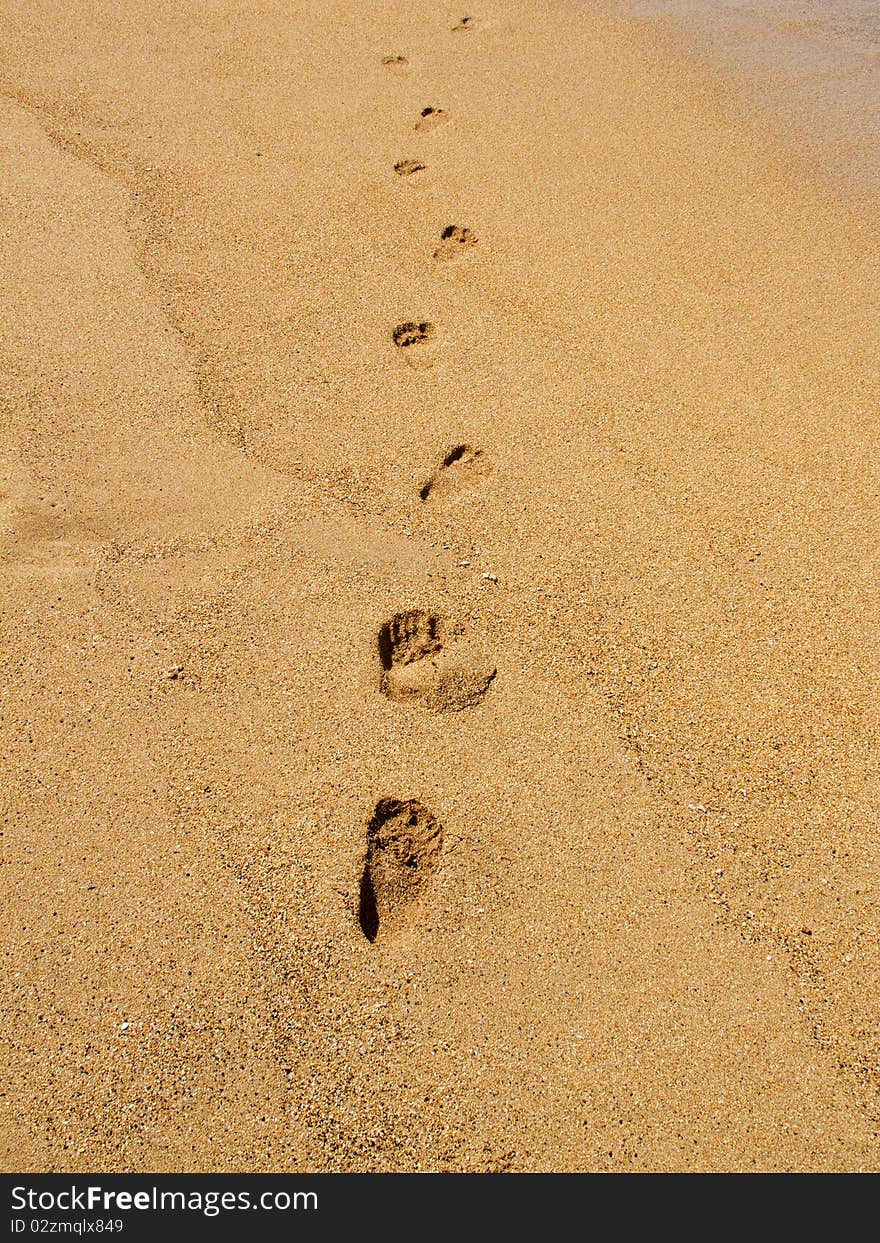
column 439, row 518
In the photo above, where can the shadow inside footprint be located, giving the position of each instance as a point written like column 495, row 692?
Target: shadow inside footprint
column 455, row 240
column 412, row 333
column 406, row 168
column 368, row 912
column 431, row 118
column 416, row 341
column 404, row 844
column 428, row 663
column 462, row 470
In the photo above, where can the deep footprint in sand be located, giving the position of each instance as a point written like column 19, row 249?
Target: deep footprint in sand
column 404, row 844
column 461, row 471
column 407, row 168
column 429, row 663
column 417, row 342
column 431, row 118
column 455, row 240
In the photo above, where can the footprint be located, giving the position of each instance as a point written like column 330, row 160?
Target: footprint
column 428, row 663
column 431, row 118
column 462, row 470
column 465, row 23
column 454, row 241
column 416, row 341
column 406, row 168
column 398, row 63
column 404, row 844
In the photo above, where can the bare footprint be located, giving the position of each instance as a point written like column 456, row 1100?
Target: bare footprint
column 404, row 844
column 406, row 168
column 428, row 663
column 398, row 63
column 462, row 470
column 454, row 241
column 416, row 341
column 431, row 118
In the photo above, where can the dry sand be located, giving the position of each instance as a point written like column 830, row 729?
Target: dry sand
column 614, row 663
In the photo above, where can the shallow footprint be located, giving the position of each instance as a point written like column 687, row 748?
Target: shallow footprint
column 417, row 341
column 462, row 470
column 431, row 118
column 406, row 168
column 404, row 843
column 428, row 663
column 454, row 241
column 465, row 23
column 398, row 63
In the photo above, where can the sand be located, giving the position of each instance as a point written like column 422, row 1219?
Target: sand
column 812, row 66
column 552, row 619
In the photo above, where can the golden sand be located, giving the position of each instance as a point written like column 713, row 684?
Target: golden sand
column 609, row 547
